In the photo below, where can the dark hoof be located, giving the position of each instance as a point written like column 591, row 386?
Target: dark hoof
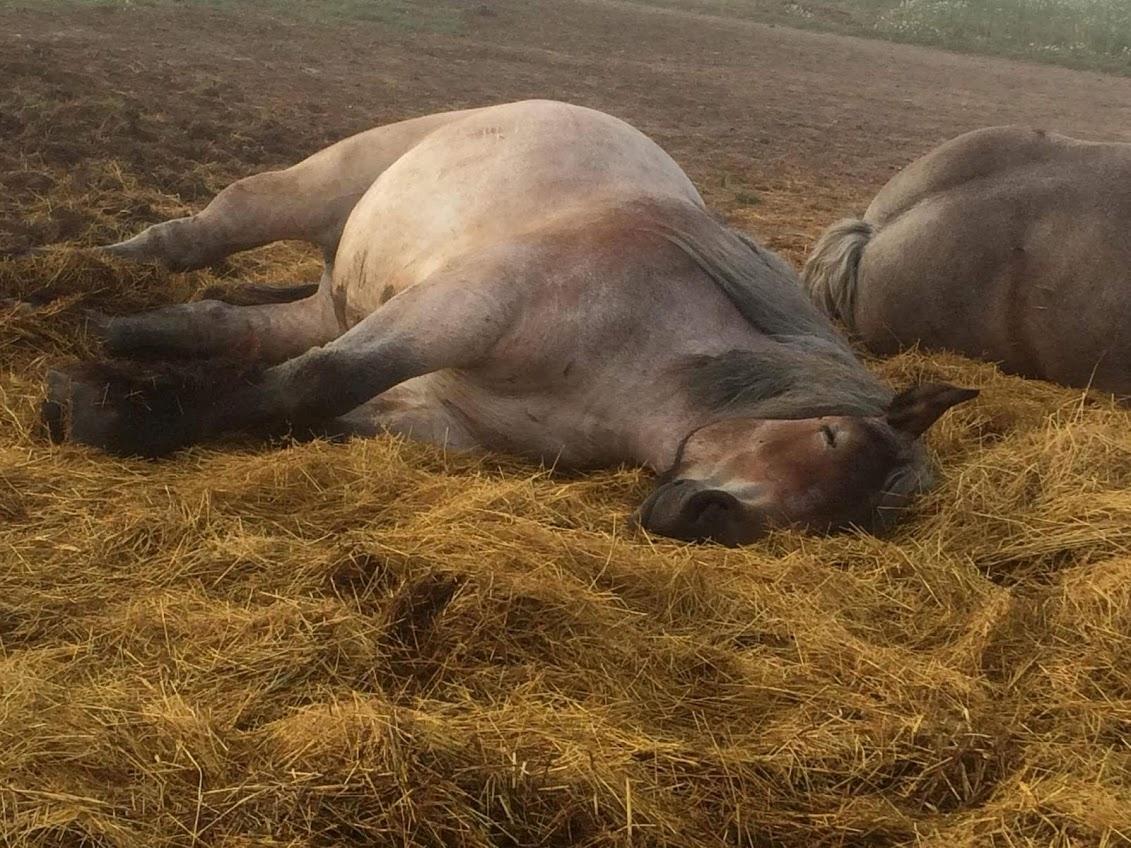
column 33, row 252
column 110, row 408
column 134, row 409
column 52, row 413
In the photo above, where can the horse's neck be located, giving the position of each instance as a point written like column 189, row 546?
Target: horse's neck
column 789, row 377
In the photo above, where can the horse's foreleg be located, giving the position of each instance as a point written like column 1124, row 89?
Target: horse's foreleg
column 439, row 323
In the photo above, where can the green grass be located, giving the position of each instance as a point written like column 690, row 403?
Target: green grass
column 1093, row 34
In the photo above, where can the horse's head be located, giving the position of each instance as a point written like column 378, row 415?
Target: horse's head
column 735, row 480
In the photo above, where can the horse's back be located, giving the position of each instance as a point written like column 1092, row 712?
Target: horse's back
column 981, row 155
column 1017, row 256
column 490, row 177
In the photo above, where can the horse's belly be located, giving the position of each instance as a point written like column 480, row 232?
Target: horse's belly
column 488, row 178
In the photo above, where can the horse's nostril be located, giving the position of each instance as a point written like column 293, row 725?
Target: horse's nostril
column 711, row 505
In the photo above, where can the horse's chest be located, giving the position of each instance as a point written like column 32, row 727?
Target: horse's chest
column 557, row 422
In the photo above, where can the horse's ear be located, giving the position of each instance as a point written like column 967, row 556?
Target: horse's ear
column 916, row 409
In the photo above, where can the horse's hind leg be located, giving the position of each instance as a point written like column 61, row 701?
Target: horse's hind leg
column 308, row 202
column 251, row 212
column 266, row 332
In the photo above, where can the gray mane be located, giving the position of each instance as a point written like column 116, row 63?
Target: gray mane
column 805, row 369
column 784, row 380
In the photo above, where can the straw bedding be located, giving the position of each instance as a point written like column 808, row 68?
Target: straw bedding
column 377, row 643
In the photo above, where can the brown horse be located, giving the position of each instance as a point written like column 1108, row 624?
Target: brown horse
column 1005, row 244
column 535, row 278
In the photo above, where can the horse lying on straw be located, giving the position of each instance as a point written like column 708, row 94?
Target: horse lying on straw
column 1005, row 244
column 536, row 278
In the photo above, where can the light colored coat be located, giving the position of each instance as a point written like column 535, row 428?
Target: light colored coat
column 1005, row 244
column 536, row 278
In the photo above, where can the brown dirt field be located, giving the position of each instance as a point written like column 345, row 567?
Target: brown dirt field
column 376, row 643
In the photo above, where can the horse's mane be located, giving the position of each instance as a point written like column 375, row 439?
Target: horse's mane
column 806, row 368
column 785, row 380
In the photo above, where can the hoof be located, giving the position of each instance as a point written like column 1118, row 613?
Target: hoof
column 134, row 249
column 134, row 409
column 113, row 409
column 170, row 243
column 33, row 252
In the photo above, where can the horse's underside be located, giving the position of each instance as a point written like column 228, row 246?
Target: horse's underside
column 1005, row 244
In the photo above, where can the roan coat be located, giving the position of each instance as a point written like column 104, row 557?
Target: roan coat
column 536, row 278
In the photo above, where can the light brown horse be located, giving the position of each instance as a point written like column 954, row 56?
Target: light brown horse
column 535, row 278
column 1004, row 244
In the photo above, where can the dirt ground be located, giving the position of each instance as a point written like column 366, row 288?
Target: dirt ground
column 379, row 644
column 781, row 128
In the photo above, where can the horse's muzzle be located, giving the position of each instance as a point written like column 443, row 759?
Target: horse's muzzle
column 691, row 511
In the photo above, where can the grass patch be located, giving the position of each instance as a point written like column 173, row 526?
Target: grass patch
column 1091, row 34
column 1081, row 32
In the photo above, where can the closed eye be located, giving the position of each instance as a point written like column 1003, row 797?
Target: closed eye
column 829, row 434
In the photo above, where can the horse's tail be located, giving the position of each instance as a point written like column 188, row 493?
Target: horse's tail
column 830, row 273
